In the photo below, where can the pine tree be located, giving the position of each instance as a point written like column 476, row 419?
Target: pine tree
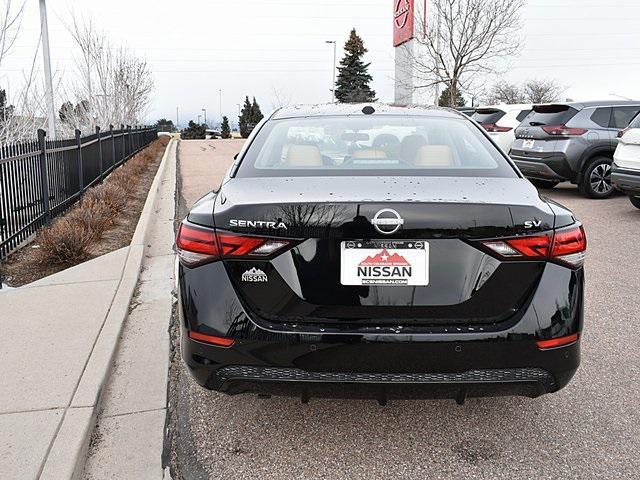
column 225, row 130
column 353, row 81
column 195, row 131
column 256, row 113
column 66, row 112
column 445, row 99
column 5, row 110
column 245, row 119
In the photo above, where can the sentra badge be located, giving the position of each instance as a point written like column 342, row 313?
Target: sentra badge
column 256, row 224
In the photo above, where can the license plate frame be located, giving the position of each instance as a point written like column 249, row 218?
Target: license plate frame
column 393, row 263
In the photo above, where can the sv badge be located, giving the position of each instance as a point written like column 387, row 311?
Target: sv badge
column 533, row 224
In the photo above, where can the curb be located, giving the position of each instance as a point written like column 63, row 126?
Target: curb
column 69, row 450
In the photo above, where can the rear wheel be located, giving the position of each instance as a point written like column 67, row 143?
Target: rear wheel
column 635, row 201
column 544, row 184
column 596, row 182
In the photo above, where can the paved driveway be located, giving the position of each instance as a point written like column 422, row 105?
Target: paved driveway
column 591, row 429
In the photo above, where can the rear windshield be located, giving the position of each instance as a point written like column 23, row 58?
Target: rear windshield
column 372, row 145
column 550, row 115
column 488, row 116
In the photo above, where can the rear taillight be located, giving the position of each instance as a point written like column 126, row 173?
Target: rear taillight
column 490, row 127
column 570, row 246
column 563, row 131
column 199, row 245
column 567, row 246
column 196, row 245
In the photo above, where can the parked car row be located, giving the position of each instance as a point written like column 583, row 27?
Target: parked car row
column 576, row 142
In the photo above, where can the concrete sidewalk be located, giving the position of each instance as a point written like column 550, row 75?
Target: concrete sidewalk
column 59, row 338
column 129, row 434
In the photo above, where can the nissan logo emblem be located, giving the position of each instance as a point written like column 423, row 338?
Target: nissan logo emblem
column 387, row 221
column 401, row 13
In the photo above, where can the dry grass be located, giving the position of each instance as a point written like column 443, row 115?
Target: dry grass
column 68, row 240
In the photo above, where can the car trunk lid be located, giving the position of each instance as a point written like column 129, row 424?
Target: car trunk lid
column 324, row 216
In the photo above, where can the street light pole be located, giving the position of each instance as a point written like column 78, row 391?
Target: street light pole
column 46, row 54
column 333, row 76
column 204, row 110
column 199, row 117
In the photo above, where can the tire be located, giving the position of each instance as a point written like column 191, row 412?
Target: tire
column 635, row 201
column 543, row 184
column 596, row 181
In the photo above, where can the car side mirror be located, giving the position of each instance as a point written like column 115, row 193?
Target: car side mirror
column 235, row 157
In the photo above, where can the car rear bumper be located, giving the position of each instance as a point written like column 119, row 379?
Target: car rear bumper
column 549, row 167
column 626, row 180
column 356, row 368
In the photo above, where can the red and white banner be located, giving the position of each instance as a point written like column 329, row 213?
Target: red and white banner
column 403, row 21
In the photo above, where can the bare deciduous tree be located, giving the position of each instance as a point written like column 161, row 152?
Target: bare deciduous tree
column 281, row 97
column 10, row 23
column 28, row 113
column 465, row 39
column 116, row 85
column 542, row 91
column 532, row 91
column 505, row 92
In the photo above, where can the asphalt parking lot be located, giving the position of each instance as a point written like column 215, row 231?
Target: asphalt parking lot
column 591, row 429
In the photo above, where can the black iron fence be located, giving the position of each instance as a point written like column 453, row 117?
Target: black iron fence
column 40, row 179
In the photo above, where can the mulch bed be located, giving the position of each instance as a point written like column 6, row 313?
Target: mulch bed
column 26, row 265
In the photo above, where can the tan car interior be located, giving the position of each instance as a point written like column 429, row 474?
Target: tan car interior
column 307, row 156
column 369, row 154
column 426, row 156
column 434, row 156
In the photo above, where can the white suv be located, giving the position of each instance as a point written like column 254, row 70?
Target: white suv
column 501, row 121
column 625, row 174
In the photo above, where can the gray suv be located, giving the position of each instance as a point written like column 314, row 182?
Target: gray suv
column 572, row 141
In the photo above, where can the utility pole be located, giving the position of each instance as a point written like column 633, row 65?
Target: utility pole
column 44, row 31
column 333, row 72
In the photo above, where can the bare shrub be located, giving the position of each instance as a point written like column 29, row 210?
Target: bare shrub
column 111, row 195
column 95, row 216
column 124, row 178
column 66, row 242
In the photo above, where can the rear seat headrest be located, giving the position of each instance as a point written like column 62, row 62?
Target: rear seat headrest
column 434, row 156
column 303, row 156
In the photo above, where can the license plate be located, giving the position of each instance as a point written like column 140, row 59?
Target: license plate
column 384, row 263
column 528, row 144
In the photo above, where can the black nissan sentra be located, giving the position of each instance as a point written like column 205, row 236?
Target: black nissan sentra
column 379, row 252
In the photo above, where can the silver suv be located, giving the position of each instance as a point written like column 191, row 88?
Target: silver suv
column 572, row 141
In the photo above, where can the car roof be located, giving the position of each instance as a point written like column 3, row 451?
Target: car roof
column 356, row 109
column 505, row 107
column 595, row 103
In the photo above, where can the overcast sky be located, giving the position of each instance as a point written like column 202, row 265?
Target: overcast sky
column 254, row 47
